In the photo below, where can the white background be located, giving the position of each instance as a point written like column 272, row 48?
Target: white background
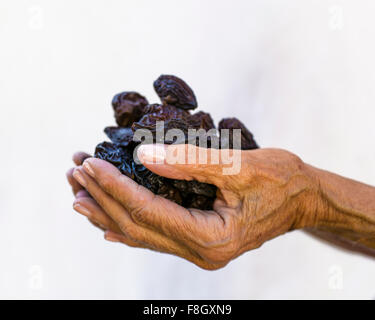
column 300, row 74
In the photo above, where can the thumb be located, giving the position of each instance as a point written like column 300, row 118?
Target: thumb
column 188, row 162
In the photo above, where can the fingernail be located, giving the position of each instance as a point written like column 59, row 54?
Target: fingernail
column 82, row 210
column 79, row 177
column 88, row 168
column 152, row 153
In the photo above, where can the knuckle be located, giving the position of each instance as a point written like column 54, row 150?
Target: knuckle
column 138, row 214
column 129, row 230
column 291, row 158
column 107, row 182
column 144, row 209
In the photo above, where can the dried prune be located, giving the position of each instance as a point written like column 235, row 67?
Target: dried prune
column 203, row 189
column 167, row 191
column 147, row 178
column 120, row 157
column 173, row 90
column 157, row 112
column 202, row 120
column 200, row 202
column 128, row 107
column 119, row 135
column 133, row 112
column 247, row 139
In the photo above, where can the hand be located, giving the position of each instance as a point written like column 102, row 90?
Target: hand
column 271, row 195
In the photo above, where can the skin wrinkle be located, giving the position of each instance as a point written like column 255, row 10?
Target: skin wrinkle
column 137, row 217
column 209, row 244
column 340, row 226
column 349, row 212
column 347, row 204
column 203, row 243
column 298, row 219
column 157, row 232
column 280, row 228
column 216, row 244
column 221, row 217
column 168, row 247
column 299, row 216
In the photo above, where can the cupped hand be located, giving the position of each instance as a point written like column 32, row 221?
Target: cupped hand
column 270, row 195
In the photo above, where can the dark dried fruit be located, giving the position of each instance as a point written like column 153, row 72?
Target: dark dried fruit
column 195, row 187
column 128, row 107
column 120, row 157
column 247, row 139
column 174, row 91
column 202, row 120
column 133, row 112
column 200, row 202
column 119, row 135
column 157, row 112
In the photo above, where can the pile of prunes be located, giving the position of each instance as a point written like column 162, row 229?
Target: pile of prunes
column 132, row 112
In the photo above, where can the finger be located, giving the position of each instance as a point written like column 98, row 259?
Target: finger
column 76, row 187
column 188, row 162
column 79, row 157
column 144, row 207
column 89, row 208
column 82, row 194
column 112, row 207
column 97, row 225
column 105, row 201
column 143, row 236
column 118, row 237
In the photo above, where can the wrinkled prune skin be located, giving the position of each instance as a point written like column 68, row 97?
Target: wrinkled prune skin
column 120, row 135
column 200, row 202
column 128, row 107
column 157, row 112
column 202, row 120
column 195, row 187
column 133, row 112
column 120, row 157
column 173, row 118
column 174, row 91
column 247, row 139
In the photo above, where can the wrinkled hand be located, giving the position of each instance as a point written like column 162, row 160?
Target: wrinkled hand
column 271, row 195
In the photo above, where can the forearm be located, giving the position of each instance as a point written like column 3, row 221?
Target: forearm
column 343, row 207
column 340, row 242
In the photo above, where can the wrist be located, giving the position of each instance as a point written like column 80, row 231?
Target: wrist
column 341, row 206
column 310, row 207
